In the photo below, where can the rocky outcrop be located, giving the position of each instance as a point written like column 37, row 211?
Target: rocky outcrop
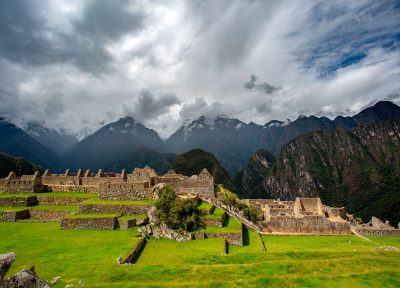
column 24, row 279
column 249, row 180
column 358, row 169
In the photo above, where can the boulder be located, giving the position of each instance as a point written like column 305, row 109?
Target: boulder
column 5, row 262
column 25, row 279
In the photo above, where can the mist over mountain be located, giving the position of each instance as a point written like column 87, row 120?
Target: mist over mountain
column 60, row 142
column 128, row 143
column 16, row 142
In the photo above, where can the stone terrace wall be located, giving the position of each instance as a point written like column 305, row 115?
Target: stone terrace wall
column 369, row 231
column 124, row 191
column 113, row 208
column 18, row 201
column 73, row 188
column 14, row 216
column 131, row 257
column 231, row 238
column 59, row 200
column 90, row 223
column 48, row 215
column 306, row 225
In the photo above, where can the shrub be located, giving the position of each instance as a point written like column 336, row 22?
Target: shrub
column 177, row 213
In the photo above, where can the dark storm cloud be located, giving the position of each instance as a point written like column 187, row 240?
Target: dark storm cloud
column 26, row 37
column 264, row 87
column 148, row 106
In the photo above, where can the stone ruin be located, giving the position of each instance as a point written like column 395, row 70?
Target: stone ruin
column 110, row 186
column 310, row 216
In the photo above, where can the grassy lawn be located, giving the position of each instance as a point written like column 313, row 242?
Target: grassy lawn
column 12, row 208
column 20, row 195
column 231, row 225
column 84, row 216
column 118, row 202
column 53, row 208
column 205, row 206
column 290, row 261
column 67, row 194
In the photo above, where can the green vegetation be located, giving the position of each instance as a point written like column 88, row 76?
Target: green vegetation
column 177, row 213
column 131, row 217
column 67, row 194
column 205, row 206
column 12, row 209
column 194, row 161
column 84, row 216
column 119, row 202
column 20, row 195
column 231, row 225
column 53, row 208
column 290, row 261
column 217, row 213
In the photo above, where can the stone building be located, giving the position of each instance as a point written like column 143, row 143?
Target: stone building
column 202, row 184
column 112, row 186
column 302, row 216
column 23, row 184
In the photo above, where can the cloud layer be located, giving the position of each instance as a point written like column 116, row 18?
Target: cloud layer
column 80, row 64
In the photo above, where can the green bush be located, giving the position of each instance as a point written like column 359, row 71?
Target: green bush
column 177, row 213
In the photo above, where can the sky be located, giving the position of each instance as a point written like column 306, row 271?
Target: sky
column 80, row 64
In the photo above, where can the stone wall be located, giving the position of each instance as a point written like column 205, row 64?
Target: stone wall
column 130, row 223
column 73, row 188
column 369, row 231
column 307, row 225
column 113, row 208
column 125, row 191
column 48, row 215
column 132, row 256
column 18, row 201
column 14, row 216
column 59, row 200
column 336, row 212
column 109, row 223
column 231, row 238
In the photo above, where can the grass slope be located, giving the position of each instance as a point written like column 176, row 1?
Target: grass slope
column 290, row 261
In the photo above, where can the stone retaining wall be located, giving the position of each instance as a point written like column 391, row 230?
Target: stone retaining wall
column 306, row 225
column 130, row 223
column 235, row 238
column 90, row 223
column 48, row 215
column 113, row 208
column 74, row 188
column 366, row 231
column 215, row 222
column 131, row 257
column 18, row 201
column 125, row 191
column 59, row 200
column 14, row 216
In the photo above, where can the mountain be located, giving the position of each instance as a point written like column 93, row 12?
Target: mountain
column 60, row 141
column 249, row 181
column 121, row 144
column 17, row 143
column 193, row 161
column 228, row 139
column 18, row 165
column 233, row 141
column 358, row 169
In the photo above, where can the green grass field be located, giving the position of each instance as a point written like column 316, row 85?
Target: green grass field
column 118, row 202
column 290, row 261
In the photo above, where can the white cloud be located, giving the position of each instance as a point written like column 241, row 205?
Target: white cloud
column 194, row 58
